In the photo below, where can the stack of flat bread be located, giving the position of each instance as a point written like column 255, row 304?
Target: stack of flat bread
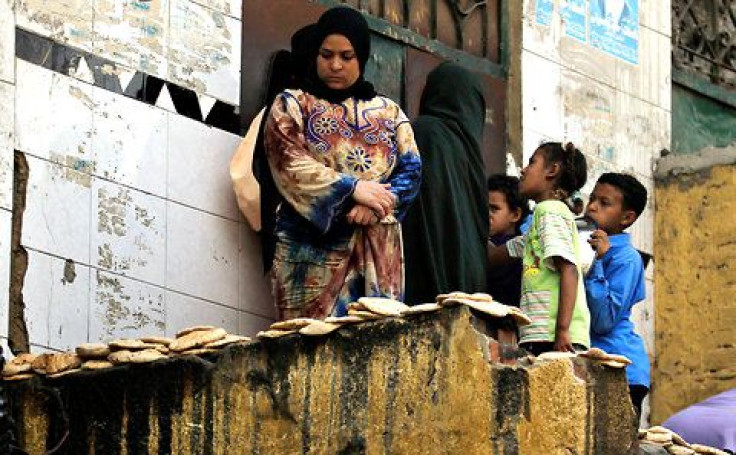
column 370, row 308
column 674, row 443
column 196, row 340
column 609, row 360
column 94, row 356
column 21, row 367
column 365, row 309
column 484, row 303
column 127, row 350
column 598, row 355
column 25, row 366
column 375, row 308
column 282, row 328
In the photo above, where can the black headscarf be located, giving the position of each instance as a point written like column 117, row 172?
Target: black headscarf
column 446, row 229
column 352, row 25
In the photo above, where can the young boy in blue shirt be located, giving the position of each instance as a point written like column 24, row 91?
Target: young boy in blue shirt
column 615, row 281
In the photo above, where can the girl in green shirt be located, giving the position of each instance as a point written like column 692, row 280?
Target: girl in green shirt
column 552, row 292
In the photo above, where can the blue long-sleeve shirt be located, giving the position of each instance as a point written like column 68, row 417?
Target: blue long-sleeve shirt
column 613, row 285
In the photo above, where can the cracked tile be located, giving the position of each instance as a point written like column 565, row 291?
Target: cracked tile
column 56, row 219
column 56, row 295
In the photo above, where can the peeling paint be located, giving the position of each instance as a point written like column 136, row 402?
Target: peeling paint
column 69, row 273
column 589, row 115
column 112, row 211
column 63, row 20
column 133, row 33
column 105, row 256
column 76, row 92
column 75, row 169
column 126, row 308
column 202, row 51
column 141, row 214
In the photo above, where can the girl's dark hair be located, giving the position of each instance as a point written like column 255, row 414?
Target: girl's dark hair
column 574, row 168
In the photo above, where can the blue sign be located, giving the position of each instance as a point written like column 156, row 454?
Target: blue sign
column 545, row 8
column 614, row 28
column 573, row 12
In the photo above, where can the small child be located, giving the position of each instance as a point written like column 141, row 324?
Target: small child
column 552, row 293
column 615, row 281
column 506, row 210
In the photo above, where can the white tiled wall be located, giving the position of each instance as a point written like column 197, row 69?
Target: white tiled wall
column 205, row 268
column 7, row 89
column 542, row 109
column 617, row 113
column 133, row 33
column 204, row 50
column 182, row 309
column 198, row 172
column 195, row 44
column 5, row 229
column 57, row 214
column 130, row 224
column 227, row 7
column 7, row 41
column 56, row 296
column 65, row 119
column 254, row 295
column 67, row 21
column 121, row 307
column 6, row 145
column 129, row 142
column 128, row 232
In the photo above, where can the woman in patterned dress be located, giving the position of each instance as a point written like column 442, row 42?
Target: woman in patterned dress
column 345, row 161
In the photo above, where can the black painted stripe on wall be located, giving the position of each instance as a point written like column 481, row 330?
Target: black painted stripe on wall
column 63, row 59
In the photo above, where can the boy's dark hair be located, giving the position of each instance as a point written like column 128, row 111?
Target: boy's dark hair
column 509, row 186
column 572, row 161
column 634, row 193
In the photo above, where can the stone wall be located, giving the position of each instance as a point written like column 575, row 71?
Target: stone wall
column 429, row 385
column 696, row 279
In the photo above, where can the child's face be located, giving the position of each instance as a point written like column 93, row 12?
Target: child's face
column 534, row 182
column 503, row 220
column 606, row 208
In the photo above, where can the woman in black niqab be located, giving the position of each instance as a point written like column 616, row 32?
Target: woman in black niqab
column 446, row 230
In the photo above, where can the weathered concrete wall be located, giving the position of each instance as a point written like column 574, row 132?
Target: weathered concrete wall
column 124, row 114
column 617, row 112
column 425, row 386
column 696, row 279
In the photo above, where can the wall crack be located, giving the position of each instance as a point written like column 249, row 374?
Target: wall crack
column 17, row 329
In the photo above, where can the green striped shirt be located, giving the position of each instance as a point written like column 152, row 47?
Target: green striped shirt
column 552, row 234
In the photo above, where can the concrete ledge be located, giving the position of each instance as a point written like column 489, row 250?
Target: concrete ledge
column 672, row 166
column 425, row 386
